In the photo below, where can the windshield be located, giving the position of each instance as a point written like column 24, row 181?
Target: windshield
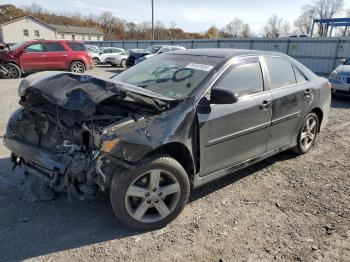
column 153, row 49
column 347, row 62
column 170, row 75
column 16, row 46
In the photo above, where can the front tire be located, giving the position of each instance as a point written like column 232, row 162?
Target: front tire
column 14, row 72
column 77, row 67
column 150, row 195
column 307, row 135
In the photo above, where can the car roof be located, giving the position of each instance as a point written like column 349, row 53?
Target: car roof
column 53, row 41
column 223, row 52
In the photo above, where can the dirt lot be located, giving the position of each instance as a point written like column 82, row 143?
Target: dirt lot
column 286, row 208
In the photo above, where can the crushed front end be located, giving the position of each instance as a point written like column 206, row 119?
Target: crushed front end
column 59, row 132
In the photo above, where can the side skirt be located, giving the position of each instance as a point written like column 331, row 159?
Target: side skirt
column 202, row 180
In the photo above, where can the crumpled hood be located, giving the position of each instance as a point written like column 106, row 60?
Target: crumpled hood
column 82, row 92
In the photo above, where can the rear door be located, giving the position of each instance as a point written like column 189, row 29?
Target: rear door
column 291, row 96
column 233, row 133
column 56, row 56
column 33, row 58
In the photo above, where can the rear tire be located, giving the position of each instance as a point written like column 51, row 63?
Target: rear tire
column 307, row 135
column 14, row 71
column 151, row 195
column 77, row 67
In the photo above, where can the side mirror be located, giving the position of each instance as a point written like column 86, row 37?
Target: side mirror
column 342, row 61
column 100, row 53
column 220, row 95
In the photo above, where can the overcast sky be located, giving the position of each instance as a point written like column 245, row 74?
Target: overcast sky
column 191, row 15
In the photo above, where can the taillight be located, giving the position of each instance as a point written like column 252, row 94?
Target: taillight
column 329, row 85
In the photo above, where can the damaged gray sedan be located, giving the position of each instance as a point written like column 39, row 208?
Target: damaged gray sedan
column 169, row 124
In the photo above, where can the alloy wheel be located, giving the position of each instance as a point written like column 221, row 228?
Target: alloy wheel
column 13, row 72
column 308, row 133
column 152, row 196
column 78, row 68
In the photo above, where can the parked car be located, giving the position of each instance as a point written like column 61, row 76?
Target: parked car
column 340, row 78
column 106, row 52
column 42, row 55
column 169, row 124
column 136, row 57
column 121, row 58
column 165, row 49
column 92, row 48
column 4, row 73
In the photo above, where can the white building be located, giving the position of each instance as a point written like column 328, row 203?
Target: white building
column 78, row 33
column 29, row 28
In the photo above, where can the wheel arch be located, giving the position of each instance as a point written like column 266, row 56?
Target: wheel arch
column 15, row 63
column 77, row 60
column 318, row 111
column 180, row 153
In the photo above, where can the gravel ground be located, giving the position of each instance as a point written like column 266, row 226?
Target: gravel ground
column 285, row 208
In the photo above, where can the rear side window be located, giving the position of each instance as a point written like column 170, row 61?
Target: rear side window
column 34, row 48
column 299, row 76
column 55, row 47
column 243, row 78
column 281, row 72
column 77, row 46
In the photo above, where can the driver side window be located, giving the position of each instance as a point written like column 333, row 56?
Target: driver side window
column 243, row 78
column 35, row 48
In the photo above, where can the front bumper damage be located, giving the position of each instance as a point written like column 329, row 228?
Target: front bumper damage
column 71, row 173
column 69, row 127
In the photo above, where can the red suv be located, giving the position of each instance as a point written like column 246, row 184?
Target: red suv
column 41, row 55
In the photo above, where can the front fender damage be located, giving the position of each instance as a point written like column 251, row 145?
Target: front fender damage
column 60, row 135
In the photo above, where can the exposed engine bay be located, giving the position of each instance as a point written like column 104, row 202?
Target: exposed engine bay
column 59, row 134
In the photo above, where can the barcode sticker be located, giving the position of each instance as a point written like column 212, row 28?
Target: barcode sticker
column 200, row 67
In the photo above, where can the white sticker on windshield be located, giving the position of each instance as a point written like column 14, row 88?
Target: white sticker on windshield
column 200, row 67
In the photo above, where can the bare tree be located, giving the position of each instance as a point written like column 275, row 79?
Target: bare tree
column 109, row 24
column 234, row 27
column 325, row 9
column 304, row 21
column 273, row 27
column 245, row 32
column 285, row 29
column 34, row 9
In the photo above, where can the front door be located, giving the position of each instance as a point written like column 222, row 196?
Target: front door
column 233, row 133
column 33, row 58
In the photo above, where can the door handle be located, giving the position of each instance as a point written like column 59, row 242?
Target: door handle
column 64, row 55
column 265, row 105
column 43, row 56
column 308, row 92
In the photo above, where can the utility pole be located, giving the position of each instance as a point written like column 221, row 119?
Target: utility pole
column 152, row 20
